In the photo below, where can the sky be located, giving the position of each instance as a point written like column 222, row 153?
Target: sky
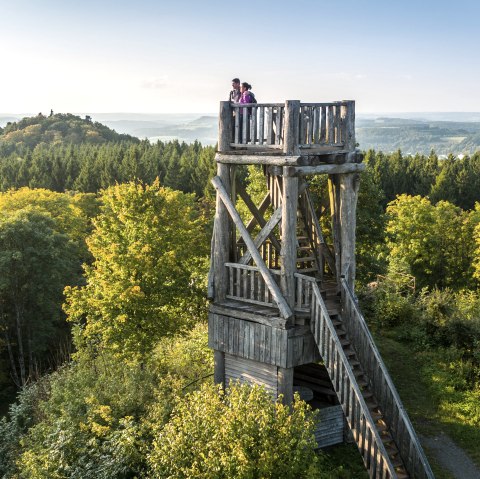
column 178, row 56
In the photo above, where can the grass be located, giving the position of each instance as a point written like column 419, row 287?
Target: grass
column 424, row 381
column 342, row 462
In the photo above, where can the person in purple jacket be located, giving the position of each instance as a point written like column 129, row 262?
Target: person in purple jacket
column 246, row 97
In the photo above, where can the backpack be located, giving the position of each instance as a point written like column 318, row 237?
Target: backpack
column 254, row 100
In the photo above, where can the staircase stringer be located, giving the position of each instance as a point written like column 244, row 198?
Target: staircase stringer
column 355, row 409
column 381, row 384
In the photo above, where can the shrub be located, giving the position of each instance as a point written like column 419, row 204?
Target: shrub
column 238, row 434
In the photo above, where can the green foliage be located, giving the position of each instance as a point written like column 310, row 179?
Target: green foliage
column 147, row 280
column 36, row 262
column 370, row 232
column 90, row 424
column 42, row 247
column 56, row 129
column 433, row 243
column 95, row 416
column 241, row 433
column 13, row 426
column 89, row 167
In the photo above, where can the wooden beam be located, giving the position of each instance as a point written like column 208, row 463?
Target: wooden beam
column 264, row 234
column 219, row 367
column 261, row 210
column 221, row 231
column 211, row 281
column 334, row 193
column 326, row 251
column 291, row 160
column 285, row 384
column 264, row 271
column 349, row 185
column 288, row 252
column 326, row 169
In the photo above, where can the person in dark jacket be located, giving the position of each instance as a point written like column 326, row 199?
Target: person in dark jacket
column 235, row 94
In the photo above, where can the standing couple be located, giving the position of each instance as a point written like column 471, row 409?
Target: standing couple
column 241, row 92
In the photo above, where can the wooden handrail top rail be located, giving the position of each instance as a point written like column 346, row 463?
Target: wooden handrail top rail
column 330, row 103
column 274, row 105
column 250, row 268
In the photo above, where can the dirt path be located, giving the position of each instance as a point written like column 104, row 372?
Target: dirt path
column 450, row 456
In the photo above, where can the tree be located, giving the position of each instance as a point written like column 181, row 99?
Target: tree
column 433, row 243
column 150, row 248
column 36, row 262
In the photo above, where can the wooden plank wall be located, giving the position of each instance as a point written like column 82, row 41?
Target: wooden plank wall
column 330, row 426
column 251, row 372
column 260, row 342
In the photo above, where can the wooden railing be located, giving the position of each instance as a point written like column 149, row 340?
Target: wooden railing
column 383, row 388
column 268, row 252
column 320, row 125
column 245, row 283
column 303, row 291
column 356, row 411
column 258, row 124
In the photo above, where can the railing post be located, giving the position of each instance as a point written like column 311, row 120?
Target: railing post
column 291, row 131
column 225, row 126
column 348, row 120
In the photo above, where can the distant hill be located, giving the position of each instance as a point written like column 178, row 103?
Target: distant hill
column 455, row 132
column 57, row 129
column 418, row 136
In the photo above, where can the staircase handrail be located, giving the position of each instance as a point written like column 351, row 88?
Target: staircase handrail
column 356, row 411
column 410, row 451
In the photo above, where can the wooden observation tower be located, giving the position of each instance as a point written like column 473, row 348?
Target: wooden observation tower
column 283, row 311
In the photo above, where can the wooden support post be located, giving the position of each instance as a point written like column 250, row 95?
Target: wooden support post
column 285, row 384
column 288, row 253
column 348, row 187
column 333, row 190
column 219, row 367
column 225, row 126
column 221, row 231
column 291, row 135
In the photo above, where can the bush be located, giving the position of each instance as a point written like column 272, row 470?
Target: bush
column 239, row 434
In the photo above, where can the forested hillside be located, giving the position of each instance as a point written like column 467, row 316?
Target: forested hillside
column 104, row 254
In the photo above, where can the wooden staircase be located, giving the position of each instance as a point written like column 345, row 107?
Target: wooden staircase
column 385, row 453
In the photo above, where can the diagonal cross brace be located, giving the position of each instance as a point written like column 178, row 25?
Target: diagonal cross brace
column 257, row 215
column 264, row 234
column 264, row 271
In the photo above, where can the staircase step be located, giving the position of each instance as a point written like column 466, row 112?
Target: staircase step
column 305, row 258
